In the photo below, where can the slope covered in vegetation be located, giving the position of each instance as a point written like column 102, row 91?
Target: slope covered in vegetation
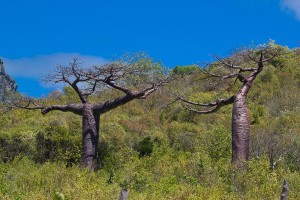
column 159, row 150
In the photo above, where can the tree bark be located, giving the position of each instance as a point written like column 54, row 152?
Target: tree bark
column 285, row 191
column 90, row 136
column 240, row 130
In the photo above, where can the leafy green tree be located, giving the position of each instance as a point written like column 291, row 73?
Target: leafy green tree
column 185, row 70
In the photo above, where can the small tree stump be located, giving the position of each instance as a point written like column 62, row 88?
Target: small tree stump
column 285, row 191
column 124, row 194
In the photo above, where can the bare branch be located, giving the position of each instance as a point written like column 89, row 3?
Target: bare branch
column 24, row 103
column 195, row 103
column 239, row 75
column 79, row 92
column 218, row 104
column 74, row 108
column 252, row 58
column 210, row 74
column 71, row 75
column 113, row 103
column 268, row 59
column 92, row 90
column 74, row 70
column 147, row 91
column 241, row 69
column 118, row 87
column 200, row 111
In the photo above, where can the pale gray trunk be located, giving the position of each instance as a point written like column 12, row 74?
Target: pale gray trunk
column 240, row 130
column 124, row 194
column 285, row 191
column 90, row 131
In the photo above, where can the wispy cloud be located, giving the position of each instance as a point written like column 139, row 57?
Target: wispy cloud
column 33, row 70
column 37, row 67
column 292, row 6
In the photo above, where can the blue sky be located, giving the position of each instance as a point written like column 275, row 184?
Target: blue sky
column 37, row 35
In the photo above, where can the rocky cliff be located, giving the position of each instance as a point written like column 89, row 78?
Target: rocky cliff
column 6, row 82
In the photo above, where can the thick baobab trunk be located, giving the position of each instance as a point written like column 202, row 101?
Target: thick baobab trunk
column 90, row 136
column 240, row 130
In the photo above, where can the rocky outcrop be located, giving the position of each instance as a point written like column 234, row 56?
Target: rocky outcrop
column 6, row 82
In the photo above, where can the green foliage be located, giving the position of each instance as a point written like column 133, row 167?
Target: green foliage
column 141, row 69
column 183, row 136
column 185, row 70
column 172, row 175
column 189, row 154
column 58, row 196
column 219, row 144
column 145, row 147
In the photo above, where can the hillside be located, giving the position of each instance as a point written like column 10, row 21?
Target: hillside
column 158, row 149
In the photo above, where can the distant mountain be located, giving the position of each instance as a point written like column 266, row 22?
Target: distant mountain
column 6, row 82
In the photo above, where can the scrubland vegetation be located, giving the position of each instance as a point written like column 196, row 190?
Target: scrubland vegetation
column 158, row 149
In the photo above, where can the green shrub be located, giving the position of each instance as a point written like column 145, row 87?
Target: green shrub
column 145, row 147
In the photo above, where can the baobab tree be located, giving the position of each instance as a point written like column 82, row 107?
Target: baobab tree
column 243, row 66
column 136, row 77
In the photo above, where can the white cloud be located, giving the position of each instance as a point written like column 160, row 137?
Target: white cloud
column 39, row 66
column 292, row 6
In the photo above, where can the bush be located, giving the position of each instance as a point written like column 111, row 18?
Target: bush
column 145, row 147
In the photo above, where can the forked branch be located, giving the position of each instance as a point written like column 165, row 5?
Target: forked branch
column 154, row 86
column 30, row 104
column 131, row 95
